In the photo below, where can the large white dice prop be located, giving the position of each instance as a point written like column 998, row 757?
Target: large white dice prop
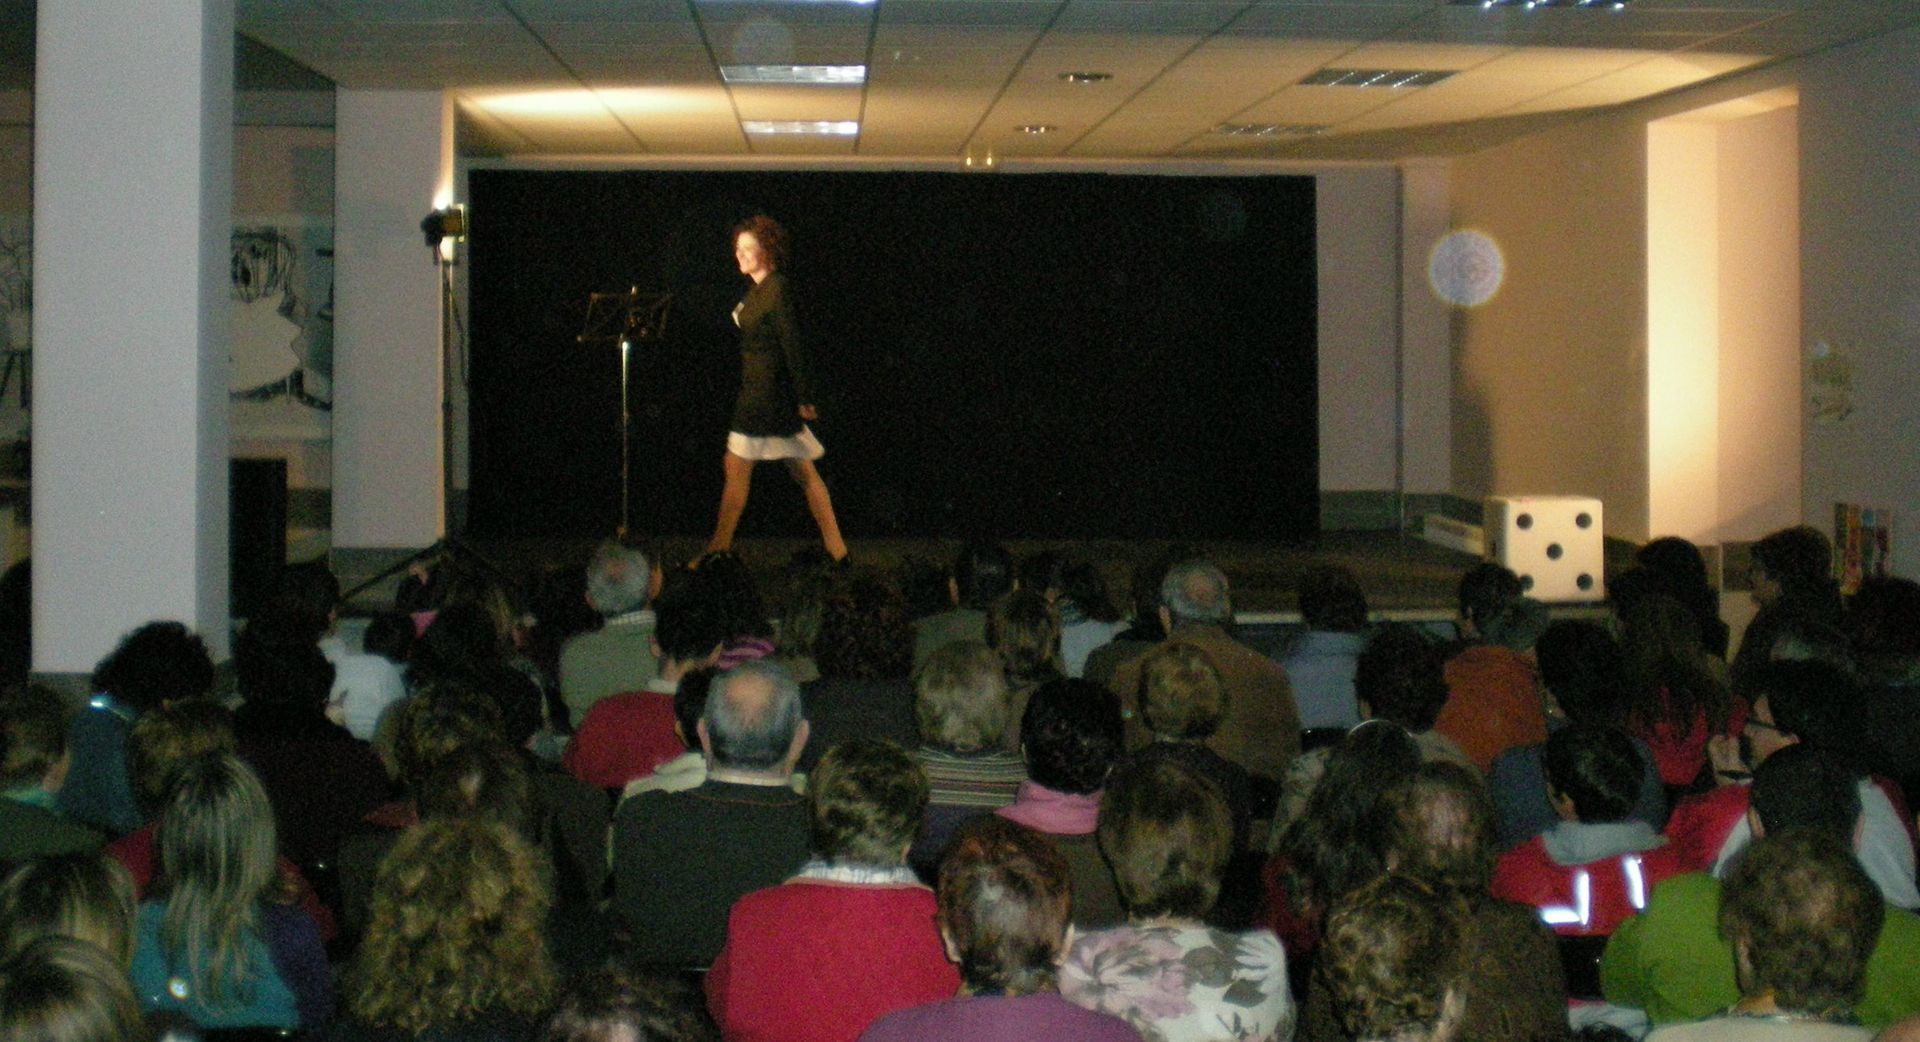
column 1552, row 542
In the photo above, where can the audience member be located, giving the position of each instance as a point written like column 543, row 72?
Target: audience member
column 1792, row 577
column 365, row 685
column 1493, row 701
column 1883, row 622
column 725, row 580
column 962, row 707
column 618, row 656
column 455, row 950
column 158, row 663
column 865, row 658
column 850, row 937
column 1003, row 913
column 1581, row 677
column 1679, row 571
column 1672, row 962
column 1169, row 835
column 982, row 573
column 1181, row 700
column 615, row 1005
column 1676, row 699
column 1261, row 728
column 466, row 644
column 1802, row 919
column 1088, row 618
column 1597, row 865
column 58, row 989
column 85, row 896
column 681, row 859
column 689, row 769
column 1144, row 629
column 1024, row 631
column 809, row 575
column 1435, row 826
column 1390, row 966
column 33, row 767
column 1321, row 658
column 1070, row 739
column 220, row 942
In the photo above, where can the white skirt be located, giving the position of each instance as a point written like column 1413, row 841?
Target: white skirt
column 794, row 446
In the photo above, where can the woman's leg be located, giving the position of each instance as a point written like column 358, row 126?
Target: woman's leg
column 820, row 503
column 733, row 500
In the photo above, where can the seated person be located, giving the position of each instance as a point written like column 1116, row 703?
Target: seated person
column 1321, row 658
column 1390, row 964
column 1596, row 866
column 615, row 1005
column 1071, row 738
column 33, row 767
column 1671, row 961
column 1003, row 897
column 800, row 959
column 1494, row 696
column 961, row 704
column 85, row 896
column 619, row 655
column 864, row 655
column 158, row 663
column 982, row 572
column 1802, row 919
column 1169, row 834
column 65, row 989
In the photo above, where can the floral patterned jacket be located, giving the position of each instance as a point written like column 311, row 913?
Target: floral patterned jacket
column 1182, row 981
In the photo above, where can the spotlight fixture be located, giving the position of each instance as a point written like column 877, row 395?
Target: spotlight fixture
column 1086, row 77
column 1036, row 128
column 447, row 223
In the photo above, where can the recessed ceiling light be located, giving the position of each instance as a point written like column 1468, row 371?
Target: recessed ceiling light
column 1589, row 5
column 1086, row 77
column 821, row 74
column 1376, row 77
column 828, row 127
column 1036, row 128
column 1270, row 129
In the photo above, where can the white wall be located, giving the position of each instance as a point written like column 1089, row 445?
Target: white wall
column 1357, row 222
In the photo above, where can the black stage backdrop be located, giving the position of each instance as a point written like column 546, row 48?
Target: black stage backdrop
column 1065, row 356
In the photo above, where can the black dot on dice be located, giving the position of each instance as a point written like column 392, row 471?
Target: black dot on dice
column 1526, row 582
column 1523, row 522
column 1554, row 551
column 1583, row 520
column 1585, row 581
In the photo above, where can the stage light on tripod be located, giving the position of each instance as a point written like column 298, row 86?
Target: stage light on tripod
column 444, row 228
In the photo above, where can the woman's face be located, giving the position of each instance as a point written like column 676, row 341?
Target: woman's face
column 752, row 258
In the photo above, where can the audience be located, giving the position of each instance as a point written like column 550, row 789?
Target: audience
column 1677, row 701
column 1024, row 631
column 158, row 663
column 1170, row 835
column 681, row 859
column 58, row 989
column 1390, row 965
column 864, row 654
column 1088, row 618
column 613, row 1005
column 1678, row 570
column 1792, row 577
column 1493, row 702
column 84, row 896
column 1071, row 738
column 982, row 573
column 365, row 685
column 619, row 655
column 1322, row 657
column 1003, row 915
column 850, row 937
column 33, row 768
column 962, row 708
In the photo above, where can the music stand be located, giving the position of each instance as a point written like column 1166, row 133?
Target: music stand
column 626, row 319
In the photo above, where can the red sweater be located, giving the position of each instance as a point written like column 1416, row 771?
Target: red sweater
column 814, row 961
column 1493, row 703
column 621, row 738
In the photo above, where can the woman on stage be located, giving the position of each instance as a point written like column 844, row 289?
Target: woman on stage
column 776, row 390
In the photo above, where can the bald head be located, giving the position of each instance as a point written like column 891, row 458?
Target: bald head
column 752, row 720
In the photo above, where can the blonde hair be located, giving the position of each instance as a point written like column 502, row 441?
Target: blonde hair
column 1181, row 694
column 455, row 931
column 217, row 848
column 58, row 989
column 960, row 698
column 88, row 897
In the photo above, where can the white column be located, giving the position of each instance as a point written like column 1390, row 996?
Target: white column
column 133, row 187
column 393, row 164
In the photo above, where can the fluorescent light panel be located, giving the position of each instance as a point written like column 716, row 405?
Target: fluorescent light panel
column 1270, row 129
column 1376, row 77
column 806, row 74
column 827, row 127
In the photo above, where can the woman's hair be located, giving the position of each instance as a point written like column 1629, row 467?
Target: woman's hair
column 960, row 698
column 723, row 578
column 1680, row 570
column 801, row 603
column 1168, row 833
column 866, row 632
column 454, row 931
column 624, row 1005
column 865, row 799
column 276, row 663
column 1328, row 847
column 1025, row 630
column 1082, row 585
column 34, row 720
column 1071, row 734
column 216, row 846
column 1437, row 824
column 1800, row 559
column 486, row 780
column 158, row 663
column 1181, row 694
column 167, row 737
column 1580, row 664
column 1595, row 767
column 1391, row 959
column 1003, row 899
column 1667, row 676
column 1803, row 918
column 58, row 989
column 1485, row 590
column 1331, row 599
column 390, row 635
column 88, row 897
column 441, row 718
column 1402, row 677
column 771, row 236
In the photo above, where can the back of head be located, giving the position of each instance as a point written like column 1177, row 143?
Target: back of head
column 390, row 635
column 1025, row 630
column 217, row 850
column 487, row 781
column 436, row 721
column 1811, row 700
column 1802, row 788
column 1167, row 832
column 1883, row 619
column 1040, row 572
column 455, row 931
column 1071, row 735
column 865, row 799
column 1597, row 768
column 621, row 1005
column 1679, row 565
column 311, row 588
column 1517, row 625
column 1082, row 586
column 752, row 714
column 1437, row 824
column 1580, row 664
column 1331, row 599
column 1485, row 590
column 960, row 698
column 1401, row 676
column 689, row 623
column 159, row 662
column 33, row 734
column 1328, row 845
column 725, row 579
column 1004, row 893
column 58, row 989
column 168, row 737
column 982, row 573
column 1800, row 559
column 618, row 579
column 88, row 897
column 276, row 662
column 1195, row 592
column 1181, row 695
column 1802, row 917
column 866, row 632
column 1390, row 960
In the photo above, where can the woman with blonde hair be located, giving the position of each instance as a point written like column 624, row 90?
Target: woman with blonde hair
column 221, row 941
column 88, row 897
column 455, row 948
column 58, row 989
